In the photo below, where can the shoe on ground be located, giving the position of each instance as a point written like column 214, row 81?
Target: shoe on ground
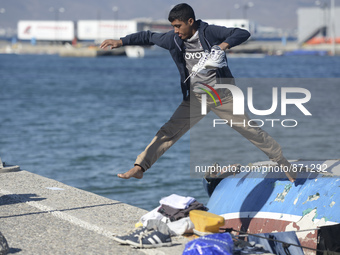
column 149, row 239
column 122, row 239
column 216, row 59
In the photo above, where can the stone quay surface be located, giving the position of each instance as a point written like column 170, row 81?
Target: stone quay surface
column 43, row 216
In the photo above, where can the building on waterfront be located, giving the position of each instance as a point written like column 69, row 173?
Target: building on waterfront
column 318, row 25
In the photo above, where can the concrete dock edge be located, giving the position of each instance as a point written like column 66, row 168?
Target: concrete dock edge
column 43, row 216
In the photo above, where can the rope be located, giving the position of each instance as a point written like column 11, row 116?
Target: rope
column 284, row 244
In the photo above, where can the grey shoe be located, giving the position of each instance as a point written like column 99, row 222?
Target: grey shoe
column 149, row 239
column 122, row 239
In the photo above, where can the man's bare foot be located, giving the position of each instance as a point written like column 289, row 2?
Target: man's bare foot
column 291, row 176
column 135, row 172
column 287, row 168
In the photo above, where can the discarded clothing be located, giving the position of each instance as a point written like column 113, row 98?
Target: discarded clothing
column 181, row 227
column 175, row 228
column 278, row 247
column 176, row 214
column 153, row 215
column 159, row 226
column 329, row 240
column 176, row 201
column 166, row 213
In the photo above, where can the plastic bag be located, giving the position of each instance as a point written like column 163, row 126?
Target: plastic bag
column 215, row 244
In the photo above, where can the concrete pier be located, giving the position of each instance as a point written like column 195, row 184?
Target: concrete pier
column 61, row 50
column 251, row 47
column 4, row 168
column 43, row 216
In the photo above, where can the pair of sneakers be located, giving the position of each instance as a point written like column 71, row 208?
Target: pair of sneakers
column 209, row 61
column 143, row 237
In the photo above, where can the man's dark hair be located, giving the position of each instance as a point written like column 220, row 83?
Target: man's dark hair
column 182, row 12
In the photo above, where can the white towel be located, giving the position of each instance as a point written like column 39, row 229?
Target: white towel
column 176, row 201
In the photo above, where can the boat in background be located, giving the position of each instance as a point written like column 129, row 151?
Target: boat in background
column 257, row 202
column 144, row 51
column 134, row 51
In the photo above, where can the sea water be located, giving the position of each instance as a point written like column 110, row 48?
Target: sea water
column 83, row 120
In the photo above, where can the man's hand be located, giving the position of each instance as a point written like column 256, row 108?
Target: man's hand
column 111, row 43
column 224, row 46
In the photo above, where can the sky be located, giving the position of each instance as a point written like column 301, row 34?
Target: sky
column 274, row 13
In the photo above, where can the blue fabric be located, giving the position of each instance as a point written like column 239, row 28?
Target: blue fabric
column 276, row 247
column 215, row 244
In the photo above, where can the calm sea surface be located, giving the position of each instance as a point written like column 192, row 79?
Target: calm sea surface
column 83, row 120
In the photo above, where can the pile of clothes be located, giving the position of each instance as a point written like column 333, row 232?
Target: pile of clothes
column 170, row 218
column 173, row 208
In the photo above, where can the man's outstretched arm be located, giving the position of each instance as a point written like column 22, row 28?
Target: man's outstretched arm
column 164, row 40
